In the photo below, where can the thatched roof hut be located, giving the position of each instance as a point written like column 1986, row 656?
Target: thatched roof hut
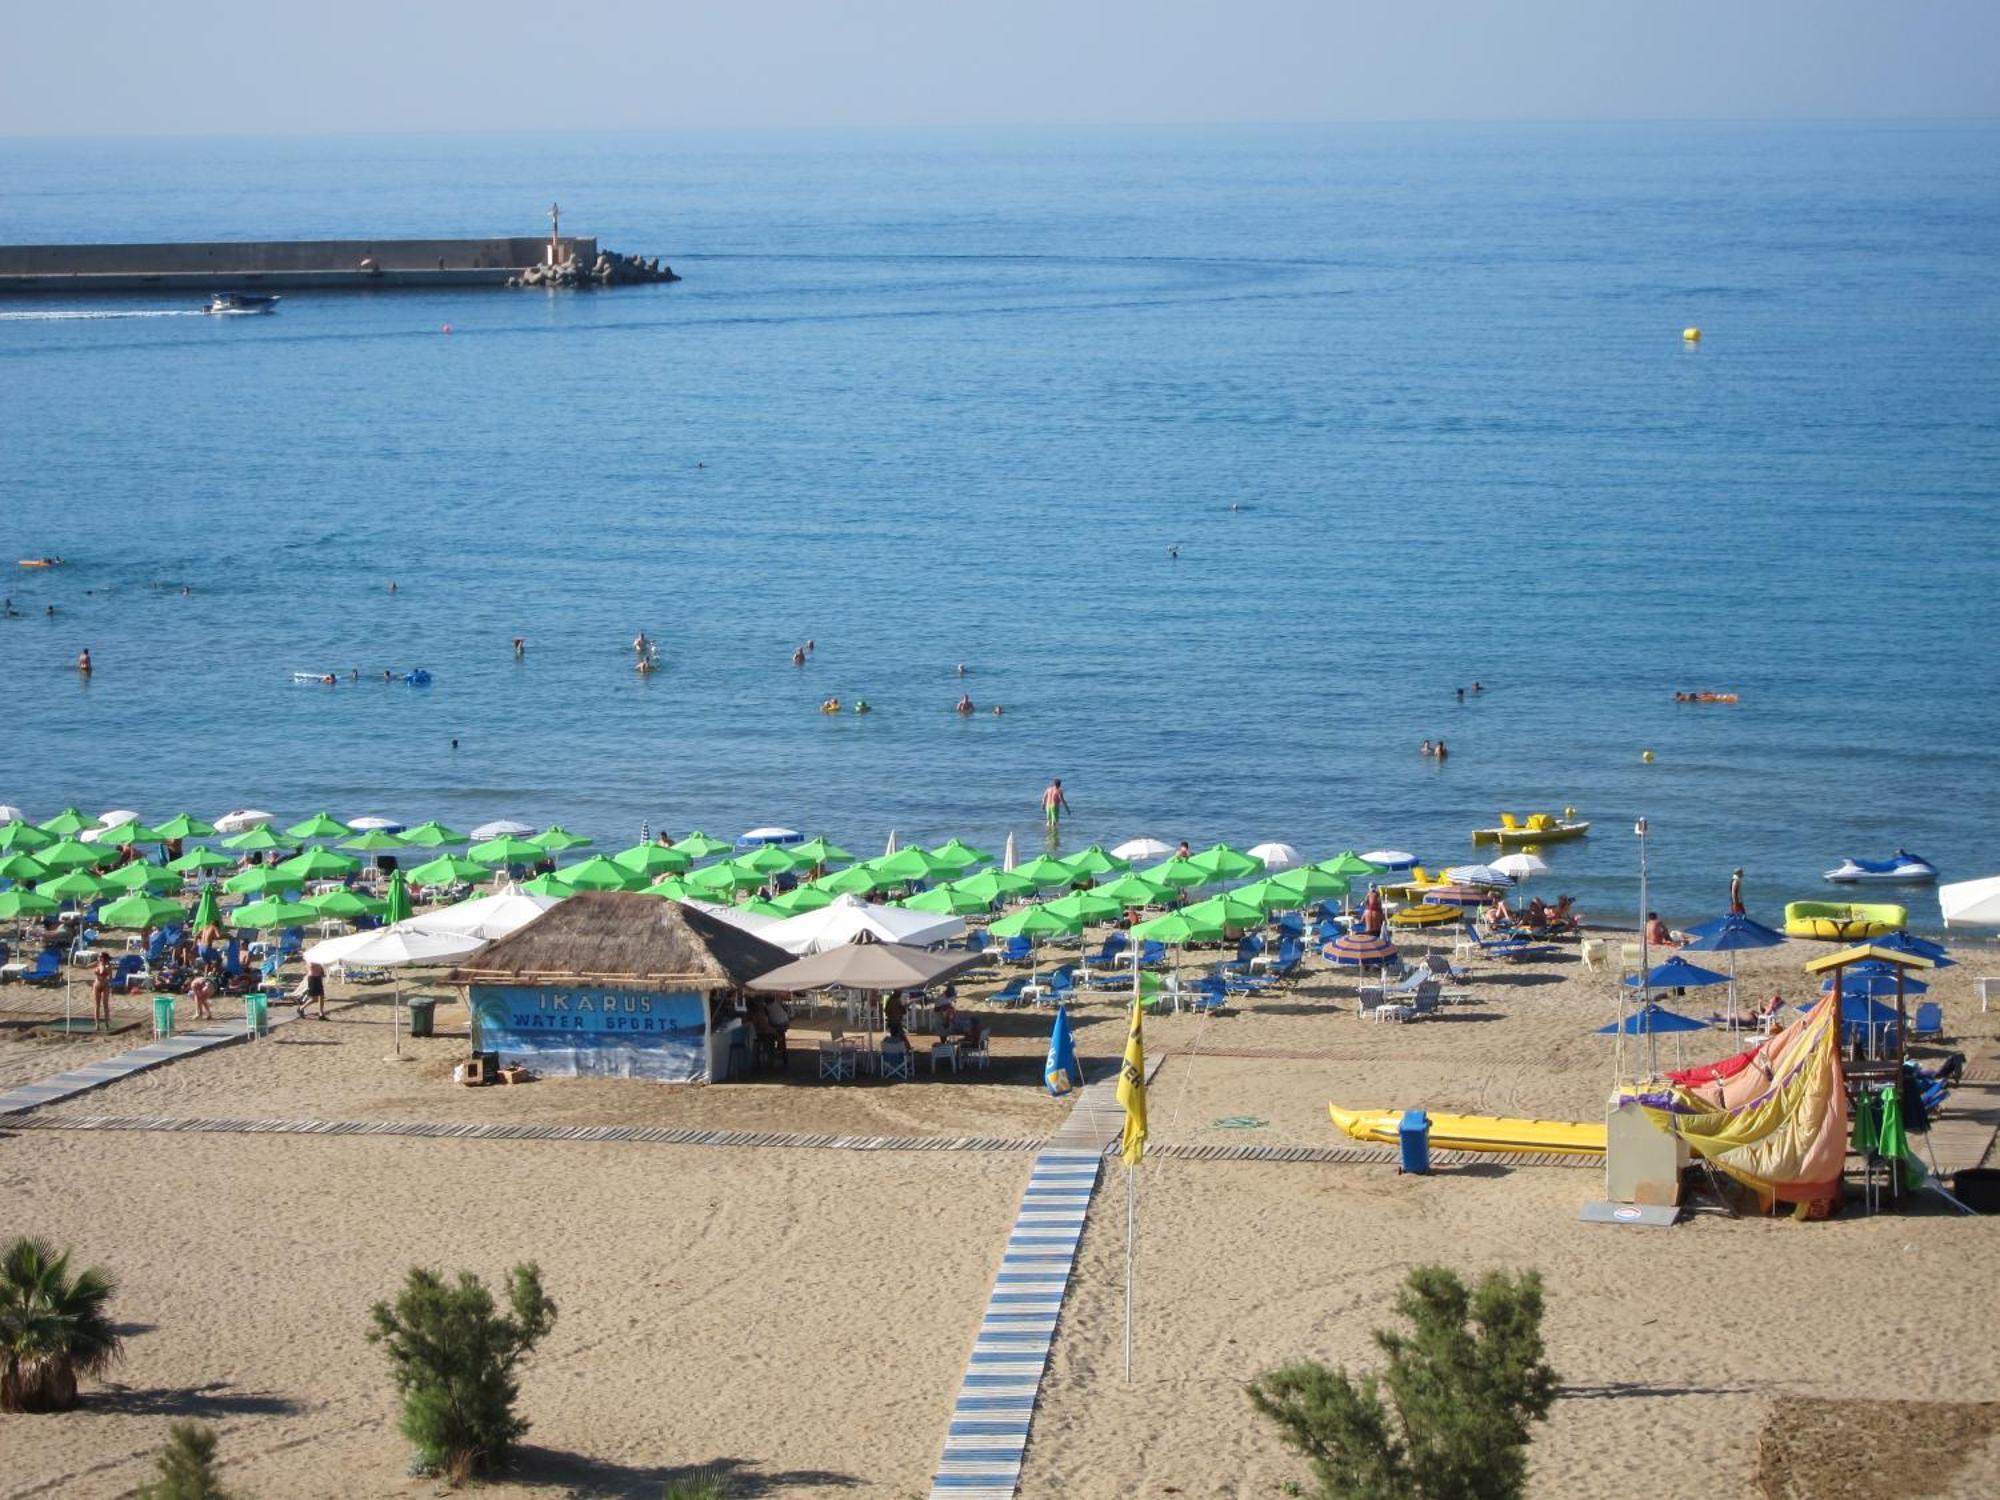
column 623, row 939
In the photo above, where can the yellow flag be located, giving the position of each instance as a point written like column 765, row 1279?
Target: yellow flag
column 1132, row 1091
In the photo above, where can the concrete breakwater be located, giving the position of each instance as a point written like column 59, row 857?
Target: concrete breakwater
column 316, row 265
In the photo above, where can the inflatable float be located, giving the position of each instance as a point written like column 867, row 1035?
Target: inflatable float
column 1540, row 828
column 41, row 562
column 1477, row 1132
column 1705, row 698
column 1837, row 921
column 1901, row 868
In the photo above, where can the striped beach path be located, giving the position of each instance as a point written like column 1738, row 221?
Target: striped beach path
column 988, row 1435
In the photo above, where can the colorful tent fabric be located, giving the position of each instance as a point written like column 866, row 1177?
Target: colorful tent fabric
column 1779, row 1123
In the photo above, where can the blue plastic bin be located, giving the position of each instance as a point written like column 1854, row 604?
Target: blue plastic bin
column 1415, row 1132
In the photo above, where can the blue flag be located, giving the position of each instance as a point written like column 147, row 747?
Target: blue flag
column 1061, row 1072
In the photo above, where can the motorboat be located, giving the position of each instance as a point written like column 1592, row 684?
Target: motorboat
column 1832, row 921
column 1538, row 828
column 1900, row 868
column 238, row 303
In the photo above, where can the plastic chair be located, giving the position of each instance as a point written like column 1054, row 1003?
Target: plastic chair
column 895, row 1061
column 1928, row 1021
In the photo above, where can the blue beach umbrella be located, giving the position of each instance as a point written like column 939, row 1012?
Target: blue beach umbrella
column 1061, row 1072
column 1675, row 974
column 1903, row 942
column 1733, row 932
column 1652, row 1020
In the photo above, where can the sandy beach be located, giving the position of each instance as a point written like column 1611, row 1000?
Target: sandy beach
column 800, row 1314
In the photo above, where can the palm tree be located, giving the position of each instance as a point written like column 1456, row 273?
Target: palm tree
column 52, row 1327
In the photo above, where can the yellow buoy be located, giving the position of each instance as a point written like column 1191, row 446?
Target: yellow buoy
column 1646, row 756
column 1692, row 335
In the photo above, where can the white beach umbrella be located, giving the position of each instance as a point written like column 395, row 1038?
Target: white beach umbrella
column 890, row 847
column 1971, row 903
column 1142, row 849
column 502, row 828
column 1276, row 857
column 1522, row 865
column 118, row 817
column 1391, row 859
column 9, row 813
column 243, row 819
column 848, row 917
column 756, row 923
column 1009, row 859
column 369, row 820
column 485, row 917
column 769, row 834
column 392, row 947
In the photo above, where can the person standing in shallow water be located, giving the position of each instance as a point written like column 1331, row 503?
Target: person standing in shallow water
column 1736, row 893
column 1054, row 803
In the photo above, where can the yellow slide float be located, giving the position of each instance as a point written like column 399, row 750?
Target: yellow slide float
column 1842, row 921
column 1477, row 1132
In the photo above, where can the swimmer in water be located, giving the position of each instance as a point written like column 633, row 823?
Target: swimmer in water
column 810, row 648
column 1174, row 552
column 831, row 706
column 520, row 647
column 392, row 585
column 997, row 710
column 1441, row 752
column 961, row 669
column 1478, row 686
column 964, row 703
column 798, row 656
column 1461, row 695
column 861, row 706
column 354, row 674
column 83, row 661
column 645, row 665
column 1427, row 749
column 387, row 676
column 50, row 611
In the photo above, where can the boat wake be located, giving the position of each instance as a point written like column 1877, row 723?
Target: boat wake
column 92, row 315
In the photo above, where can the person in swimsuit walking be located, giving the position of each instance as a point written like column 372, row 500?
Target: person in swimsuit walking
column 1054, row 803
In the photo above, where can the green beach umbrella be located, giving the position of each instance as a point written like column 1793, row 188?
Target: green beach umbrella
column 345, row 904
column 20, row 902
column 140, row 876
column 994, row 886
column 182, row 826
column 1045, row 870
column 960, row 856
column 1225, row 862
column 556, row 838
column 77, row 885
column 140, row 910
column 546, row 885
column 434, row 835
column 24, row 867
column 768, row 859
column 272, row 911
column 1222, row 911
column 1347, row 862
column 258, row 880
column 1266, row 895
column 1036, row 922
column 202, row 859
column 649, row 860
column 130, row 833
column 948, row 899
column 817, row 851
column 74, row 854
column 1310, row 883
column 859, row 881
column 321, row 825
column 19, row 838
column 259, row 840
column 375, row 841
column 762, row 908
column 1181, row 874
column 699, row 845
column 1134, row 890
column 599, row 874
column 672, row 889
column 449, row 869
column 319, row 864
column 723, row 879
column 1086, row 907
column 1095, row 861
column 68, row 823
column 912, row 864
column 207, row 909
column 396, row 908
column 801, row 898
column 506, row 850
column 1178, row 928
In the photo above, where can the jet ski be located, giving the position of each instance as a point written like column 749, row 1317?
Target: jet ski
column 1902, row 867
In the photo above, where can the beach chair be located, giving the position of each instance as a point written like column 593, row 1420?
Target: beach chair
column 47, row 969
column 1010, row 994
column 1108, row 951
column 1061, row 987
column 836, row 1060
column 896, row 1062
column 1018, row 951
column 1151, row 953
column 130, row 973
column 1596, row 953
column 1928, row 1021
column 980, row 1055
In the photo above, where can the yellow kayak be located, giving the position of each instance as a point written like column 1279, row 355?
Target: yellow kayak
column 1477, row 1132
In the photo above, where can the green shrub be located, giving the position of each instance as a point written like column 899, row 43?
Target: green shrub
column 54, row 1327
column 453, row 1358
column 187, row 1466
column 707, row 1484
column 1459, row 1398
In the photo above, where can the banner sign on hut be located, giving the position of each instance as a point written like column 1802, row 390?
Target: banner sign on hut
column 596, row 1033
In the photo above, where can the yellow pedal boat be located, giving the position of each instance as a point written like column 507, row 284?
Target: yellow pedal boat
column 1477, row 1132
column 1539, row 828
column 1842, row 921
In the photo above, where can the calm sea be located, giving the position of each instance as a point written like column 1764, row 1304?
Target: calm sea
column 1412, row 403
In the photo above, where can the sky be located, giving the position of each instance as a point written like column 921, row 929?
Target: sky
column 127, row 67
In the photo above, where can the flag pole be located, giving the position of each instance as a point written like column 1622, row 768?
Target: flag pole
column 1131, row 1214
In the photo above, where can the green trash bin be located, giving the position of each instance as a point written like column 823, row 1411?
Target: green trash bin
column 423, row 1013
column 163, row 1015
column 257, row 1014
